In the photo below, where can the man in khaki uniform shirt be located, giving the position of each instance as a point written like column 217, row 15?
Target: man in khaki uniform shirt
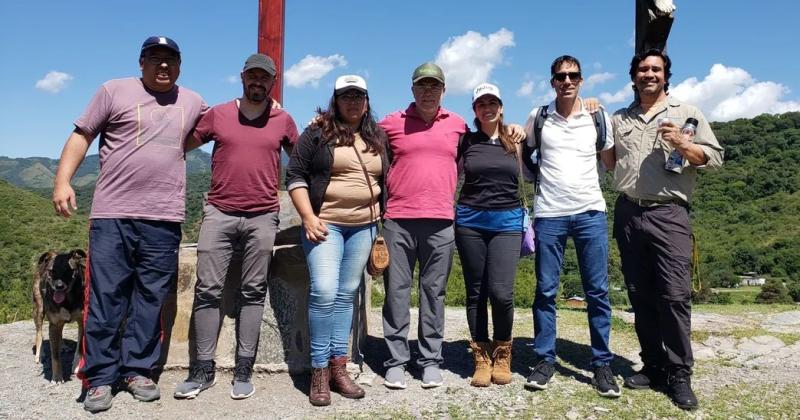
column 651, row 222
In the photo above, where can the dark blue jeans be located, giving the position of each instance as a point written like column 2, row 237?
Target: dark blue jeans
column 589, row 231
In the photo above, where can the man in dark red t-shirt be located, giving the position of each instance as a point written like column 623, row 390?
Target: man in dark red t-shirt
column 242, row 208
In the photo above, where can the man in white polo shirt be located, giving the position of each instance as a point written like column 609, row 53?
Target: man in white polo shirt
column 569, row 202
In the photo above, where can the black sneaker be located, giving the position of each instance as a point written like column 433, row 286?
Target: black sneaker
column 604, row 382
column 242, row 385
column 679, row 389
column 201, row 377
column 649, row 377
column 541, row 375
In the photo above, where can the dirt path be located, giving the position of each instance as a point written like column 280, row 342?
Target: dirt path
column 25, row 392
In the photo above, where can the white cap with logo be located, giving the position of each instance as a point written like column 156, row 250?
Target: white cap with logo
column 486, row 89
column 350, row 81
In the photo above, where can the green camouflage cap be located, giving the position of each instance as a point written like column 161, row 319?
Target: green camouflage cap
column 428, row 70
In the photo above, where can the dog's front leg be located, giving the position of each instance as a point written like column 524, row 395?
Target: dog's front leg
column 56, row 329
column 38, row 319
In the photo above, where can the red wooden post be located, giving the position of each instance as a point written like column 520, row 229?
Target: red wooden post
column 270, row 38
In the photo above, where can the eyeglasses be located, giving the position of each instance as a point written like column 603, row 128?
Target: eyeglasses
column 573, row 75
column 353, row 97
column 156, row 60
column 435, row 88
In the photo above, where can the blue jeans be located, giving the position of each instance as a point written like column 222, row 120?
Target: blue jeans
column 336, row 266
column 589, row 231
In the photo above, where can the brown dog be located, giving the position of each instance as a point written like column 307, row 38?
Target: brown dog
column 58, row 292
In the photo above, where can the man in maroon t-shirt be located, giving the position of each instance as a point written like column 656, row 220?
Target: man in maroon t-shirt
column 242, row 208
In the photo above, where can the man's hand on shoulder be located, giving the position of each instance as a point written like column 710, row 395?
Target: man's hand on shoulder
column 517, row 132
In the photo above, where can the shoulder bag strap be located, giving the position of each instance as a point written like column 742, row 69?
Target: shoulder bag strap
column 369, row 184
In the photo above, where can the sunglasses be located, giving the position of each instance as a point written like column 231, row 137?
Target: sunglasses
column 573, row 75
column 156, row 60
column 352, row 97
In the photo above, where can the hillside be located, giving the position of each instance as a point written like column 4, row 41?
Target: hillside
column 39, row 172
column 28, row 228
column 744, row 215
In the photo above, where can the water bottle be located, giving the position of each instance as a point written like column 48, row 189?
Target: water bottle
column 675, row 159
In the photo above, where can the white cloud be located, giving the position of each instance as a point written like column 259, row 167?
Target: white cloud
column 233, row 79
column 625, row 94
column 54, row 82
column 727, row 93
column 597, row 66
column 311, row 69
column 526, row 89
column 598, row 79
column 469, row 59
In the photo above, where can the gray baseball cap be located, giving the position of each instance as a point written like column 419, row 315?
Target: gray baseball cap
column 260, row 61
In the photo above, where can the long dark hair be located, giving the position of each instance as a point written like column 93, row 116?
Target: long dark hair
column 335, row 130
column 502, row 131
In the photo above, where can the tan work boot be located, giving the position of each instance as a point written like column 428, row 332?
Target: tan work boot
column 483, row 364
column 501, row 372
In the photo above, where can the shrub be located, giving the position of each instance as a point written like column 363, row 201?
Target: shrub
column 773, row 291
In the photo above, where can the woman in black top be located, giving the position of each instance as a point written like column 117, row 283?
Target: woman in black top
column 489, row 226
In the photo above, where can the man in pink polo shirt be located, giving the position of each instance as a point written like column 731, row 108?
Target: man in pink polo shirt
column 421, row 185
column 242, row 209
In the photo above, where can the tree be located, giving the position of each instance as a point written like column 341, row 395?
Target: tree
column 773, row 291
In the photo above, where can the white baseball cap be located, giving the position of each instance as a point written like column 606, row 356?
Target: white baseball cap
column 350, row 81
column 486, row 89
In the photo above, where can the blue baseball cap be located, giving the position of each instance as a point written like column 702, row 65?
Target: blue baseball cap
column 160, row 41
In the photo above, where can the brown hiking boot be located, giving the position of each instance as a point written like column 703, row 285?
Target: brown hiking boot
column 501, row 373
column 340, row 380
column 320, row 393
column 483, row 364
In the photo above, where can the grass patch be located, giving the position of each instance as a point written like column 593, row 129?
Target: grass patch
column 741, row 309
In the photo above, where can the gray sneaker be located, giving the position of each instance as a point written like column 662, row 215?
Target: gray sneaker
column 142, row 388
column 201, row 377
column 242, row 383
column 98, row 399
column 431, row 377
column 395, row 377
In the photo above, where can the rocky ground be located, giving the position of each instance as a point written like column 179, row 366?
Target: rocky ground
column 748, row 365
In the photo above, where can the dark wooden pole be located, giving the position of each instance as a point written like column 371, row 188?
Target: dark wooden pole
column 270, row 38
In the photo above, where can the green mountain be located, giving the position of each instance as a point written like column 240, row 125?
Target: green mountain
column 744, row 215
column 39, row 172
column 28, row 228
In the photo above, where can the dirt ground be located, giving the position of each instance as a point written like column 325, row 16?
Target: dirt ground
column 25, row 391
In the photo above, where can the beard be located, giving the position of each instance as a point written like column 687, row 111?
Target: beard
column 255, row 94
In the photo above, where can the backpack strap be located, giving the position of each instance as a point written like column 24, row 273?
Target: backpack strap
column 600, row 126
column 538, row 123
column 536, row 148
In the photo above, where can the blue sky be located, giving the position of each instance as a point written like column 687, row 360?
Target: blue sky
column 732, row 58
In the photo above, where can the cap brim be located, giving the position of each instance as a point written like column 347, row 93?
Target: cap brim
column 427, row 77
column 169, row 47
column 271, row 72
column 345, row 89
column 488, row 94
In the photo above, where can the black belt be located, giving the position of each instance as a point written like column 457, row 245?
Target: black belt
column 641, row 202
